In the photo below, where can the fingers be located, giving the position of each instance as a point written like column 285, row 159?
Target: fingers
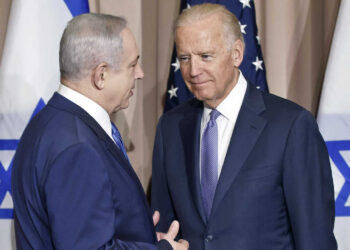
column 179, row 245
column 171, row 235
column 184, row 243
column 160, row 236
column 156, row 217
column 173, row 230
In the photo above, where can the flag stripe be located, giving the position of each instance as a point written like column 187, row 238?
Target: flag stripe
column 8, row 145
column 77, row 7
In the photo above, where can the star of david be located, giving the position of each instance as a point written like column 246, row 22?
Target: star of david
column 5, row 175
column 334, row 149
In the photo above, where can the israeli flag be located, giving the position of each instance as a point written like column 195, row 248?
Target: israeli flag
column 334, row 122
column 29, row 74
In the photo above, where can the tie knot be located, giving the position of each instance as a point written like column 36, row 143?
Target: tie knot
column 214, row 114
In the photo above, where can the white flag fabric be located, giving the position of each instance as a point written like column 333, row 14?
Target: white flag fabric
column 334, row 121
column 29, row 74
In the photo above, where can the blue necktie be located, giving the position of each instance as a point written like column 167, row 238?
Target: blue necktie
column 118, row 140
column 209, row 161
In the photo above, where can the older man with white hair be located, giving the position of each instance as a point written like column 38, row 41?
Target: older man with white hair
column 72, row 182
column 239, row 168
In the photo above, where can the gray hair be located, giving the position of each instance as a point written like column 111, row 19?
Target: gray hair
column 89, row 40
column 232, row 29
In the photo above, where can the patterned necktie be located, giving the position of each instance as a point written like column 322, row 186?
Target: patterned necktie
column 209, row 161
column 118, row 140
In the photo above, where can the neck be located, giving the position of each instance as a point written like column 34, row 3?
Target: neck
column 85, row 88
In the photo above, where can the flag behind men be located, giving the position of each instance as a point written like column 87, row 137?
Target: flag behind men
column 29, row 74
column 334, row 122
column 252, row 66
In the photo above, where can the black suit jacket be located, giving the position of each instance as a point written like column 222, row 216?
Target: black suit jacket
column 275, row 190
column 73, row 188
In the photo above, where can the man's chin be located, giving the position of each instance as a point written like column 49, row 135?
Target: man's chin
column 200, row 95
column 208, row 101
column 123, row 106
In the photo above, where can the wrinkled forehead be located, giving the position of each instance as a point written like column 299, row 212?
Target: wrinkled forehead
column 202, row 34
column 129, row 44
column 211, row 25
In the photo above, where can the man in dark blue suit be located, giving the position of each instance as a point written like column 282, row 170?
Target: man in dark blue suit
column 239, row 168
column 72, row 183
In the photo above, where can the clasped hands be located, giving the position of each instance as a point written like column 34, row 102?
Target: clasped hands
column 171, row 234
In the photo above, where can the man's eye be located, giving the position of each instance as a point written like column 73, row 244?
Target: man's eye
column 205, row 56
column 184, row 58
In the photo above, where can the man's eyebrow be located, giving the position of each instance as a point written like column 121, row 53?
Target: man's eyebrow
column 135, row 60
column 199, row 52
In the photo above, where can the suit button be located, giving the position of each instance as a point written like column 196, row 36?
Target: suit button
column 209, row 238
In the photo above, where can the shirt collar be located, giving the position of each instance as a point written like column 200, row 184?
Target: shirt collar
column 91, row 107
column 231, row 105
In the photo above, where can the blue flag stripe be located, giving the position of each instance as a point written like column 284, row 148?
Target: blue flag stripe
column 8, row 144
column 6, row 213
column 77, row 7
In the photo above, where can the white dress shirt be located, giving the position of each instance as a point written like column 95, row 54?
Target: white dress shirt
column 229, row 109
column 91, row 107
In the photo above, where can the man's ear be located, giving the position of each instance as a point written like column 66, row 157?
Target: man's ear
column 237, row 53
column 99, row 75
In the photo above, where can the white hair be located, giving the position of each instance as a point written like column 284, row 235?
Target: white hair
column 89, row 40
column 232, row 30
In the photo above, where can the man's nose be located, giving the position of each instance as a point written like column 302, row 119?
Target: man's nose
column 195, row 68
column 139, row 74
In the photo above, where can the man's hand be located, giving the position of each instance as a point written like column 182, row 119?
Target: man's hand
column 171, row 234
column 156, row 217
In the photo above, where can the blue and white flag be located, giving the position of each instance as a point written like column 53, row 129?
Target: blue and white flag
column 29, row 74
column 252, row 67
column 334, row 122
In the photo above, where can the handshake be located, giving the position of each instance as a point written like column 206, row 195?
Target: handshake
column 171, row 234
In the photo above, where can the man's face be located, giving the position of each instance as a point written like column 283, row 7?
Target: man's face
column 120, row 83
column 207, row 64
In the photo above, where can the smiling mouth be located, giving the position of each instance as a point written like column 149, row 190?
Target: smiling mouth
column 199, row 84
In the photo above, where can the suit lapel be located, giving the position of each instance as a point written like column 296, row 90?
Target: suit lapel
column 63, row 103
column 248, row 128
column 190, row 136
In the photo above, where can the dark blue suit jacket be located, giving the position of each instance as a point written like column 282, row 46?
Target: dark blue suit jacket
column 73, row 188
column 275, row 190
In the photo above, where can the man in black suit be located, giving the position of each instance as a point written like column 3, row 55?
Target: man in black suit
column 239, row 168
column 72, row 183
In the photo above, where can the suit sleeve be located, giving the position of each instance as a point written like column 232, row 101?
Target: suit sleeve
column 160, row 196
column 308, row 186
column 79, row 203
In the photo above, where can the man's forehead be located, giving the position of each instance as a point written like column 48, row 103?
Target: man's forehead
column 204, row 38
column 129, row 43
column 127, row 35
column 212, row 20
column 202, row 29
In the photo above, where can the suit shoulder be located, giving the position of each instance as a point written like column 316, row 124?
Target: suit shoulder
column 285, row 114
column 282, row 107
column 182, row 110
column 276, row 101
column 55, row 129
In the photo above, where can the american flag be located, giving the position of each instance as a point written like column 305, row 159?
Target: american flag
column 252, row 67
